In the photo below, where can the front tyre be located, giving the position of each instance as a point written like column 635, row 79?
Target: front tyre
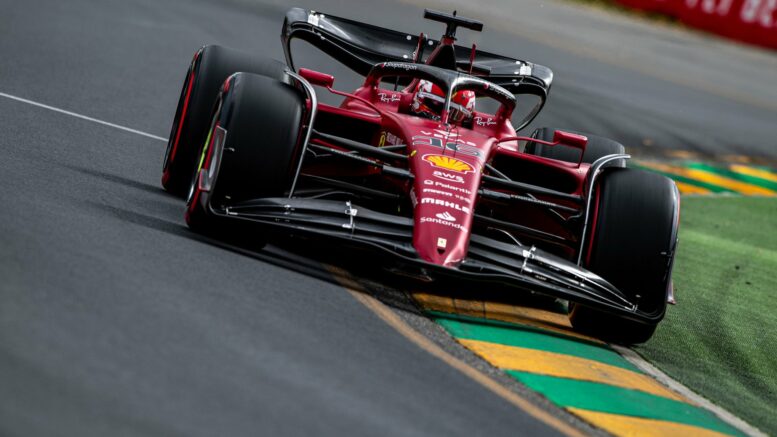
column 209, row 68
column 252, row 149
column 631, row 244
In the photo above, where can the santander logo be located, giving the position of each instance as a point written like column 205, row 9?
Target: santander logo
column 446, row 216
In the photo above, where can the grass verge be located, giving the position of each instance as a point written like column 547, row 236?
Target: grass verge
column 721, row 338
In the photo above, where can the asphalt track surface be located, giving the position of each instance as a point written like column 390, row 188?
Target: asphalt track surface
column 115, row 319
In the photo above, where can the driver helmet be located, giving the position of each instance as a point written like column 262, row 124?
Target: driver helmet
column 429, row 99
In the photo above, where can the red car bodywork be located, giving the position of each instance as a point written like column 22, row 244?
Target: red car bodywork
column 447, row 161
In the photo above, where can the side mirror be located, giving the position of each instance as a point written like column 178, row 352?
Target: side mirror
column 570, row 139
column 317, row 78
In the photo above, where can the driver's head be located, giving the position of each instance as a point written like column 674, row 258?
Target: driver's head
column 429, row 99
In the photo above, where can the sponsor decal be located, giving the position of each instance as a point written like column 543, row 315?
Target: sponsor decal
column 445, row 216
column 388, row 138
column 437, row 221
column 388, row 98
column 448, row 163
column 400, row 65
column 450, row 177
column 462, row 198
column 445, row 203
column 464, row 147
column 481, row 121
column 447, row 186
column 442, row 243
column 452, row 188
column 438, row 192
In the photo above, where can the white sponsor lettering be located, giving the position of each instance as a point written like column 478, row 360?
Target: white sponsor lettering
column 480, row 121
column 400, row 65
column 450, row 177
column 460, row 146
column 441, row 222
column 445, row 203
column 462, row 198
column 440, row 192
column 452, row 188
column 388, row 98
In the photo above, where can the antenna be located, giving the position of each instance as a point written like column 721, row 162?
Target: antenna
column 452, row 22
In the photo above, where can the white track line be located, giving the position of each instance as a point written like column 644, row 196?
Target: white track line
column 83, row 117
column 666, row 380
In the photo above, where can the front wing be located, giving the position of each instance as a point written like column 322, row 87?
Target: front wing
column 489, row 262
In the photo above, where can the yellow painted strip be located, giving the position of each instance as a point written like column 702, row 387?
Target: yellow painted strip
column 755, row 172
column 433, row 302
column 566, row 366
column 535, row 318
column 711, row 178
column 474, row 308
column 691, row 189
column 391, row 319
column 637, row 426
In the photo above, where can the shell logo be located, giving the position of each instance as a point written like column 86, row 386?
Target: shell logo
column 448, row 163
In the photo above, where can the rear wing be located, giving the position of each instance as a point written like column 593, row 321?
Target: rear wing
column 360, row 46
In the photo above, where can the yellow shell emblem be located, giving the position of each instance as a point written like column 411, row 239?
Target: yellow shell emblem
column 448, row 163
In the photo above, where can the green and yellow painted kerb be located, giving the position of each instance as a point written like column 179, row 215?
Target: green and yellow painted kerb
column 704, row 179
column 580, row 374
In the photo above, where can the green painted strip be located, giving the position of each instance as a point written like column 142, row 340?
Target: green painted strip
column 509, row 334
column 615, row 400
column 733, row 175
column 694, row 182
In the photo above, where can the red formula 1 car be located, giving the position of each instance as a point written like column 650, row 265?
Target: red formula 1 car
column 422, row 162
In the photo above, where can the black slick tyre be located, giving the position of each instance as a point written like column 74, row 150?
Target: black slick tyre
column 596, row 148
column 631, row 244
column 261, row 124
column 209, row 68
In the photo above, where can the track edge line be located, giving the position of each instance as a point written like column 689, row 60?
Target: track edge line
column 634, row 358
column 391, row 319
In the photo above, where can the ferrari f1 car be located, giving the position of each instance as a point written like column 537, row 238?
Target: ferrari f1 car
column 423, row 163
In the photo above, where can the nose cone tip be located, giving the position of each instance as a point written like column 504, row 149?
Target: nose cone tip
column 443, row 252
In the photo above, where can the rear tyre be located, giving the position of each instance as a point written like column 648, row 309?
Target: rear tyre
column 631, row 244
column 208, row 70
column 596, row 148
column 260, row 150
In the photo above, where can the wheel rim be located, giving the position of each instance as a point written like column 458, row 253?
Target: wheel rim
column 205, row 157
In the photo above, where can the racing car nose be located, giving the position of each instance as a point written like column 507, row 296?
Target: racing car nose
column 441, row 234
